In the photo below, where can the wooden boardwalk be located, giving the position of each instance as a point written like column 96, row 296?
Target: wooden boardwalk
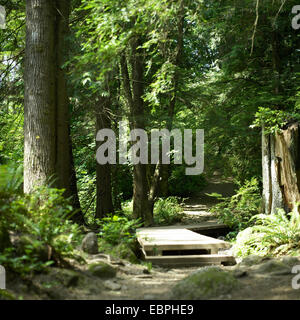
column 178, row 245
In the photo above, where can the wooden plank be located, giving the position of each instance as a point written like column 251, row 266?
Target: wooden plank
column 154, row 241
column 191, row 259
column 176, row 239
column 214, row 224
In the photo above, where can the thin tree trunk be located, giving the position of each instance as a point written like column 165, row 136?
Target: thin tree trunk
column 134, row 93
column 141, row 208
column 266, row 172
column 63, row 157
column 104, row 204
column 65, row 168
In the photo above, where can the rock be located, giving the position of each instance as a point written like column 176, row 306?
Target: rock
column 124, row 287
column 111, row 285
column 273, row 267
column 239, row 273
column 66, row 277
column 101, row 256
column 207, row 283
column 149, row 297
column 143, row 276
column 102, row 270
column 70, row 277
column 56, row 283
column 90, row 243
column 123, row 251
column 252, row 260
column 134, row 270
column 290, row 261
column 146, row 271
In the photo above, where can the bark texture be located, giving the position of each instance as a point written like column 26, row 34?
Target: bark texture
column 281, row 169
column 39, row 104
column 47, row 143
column 134, row 90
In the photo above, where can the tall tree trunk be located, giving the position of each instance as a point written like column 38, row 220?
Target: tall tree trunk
column 104, row 204
column 281, row 169
column 141, row 208
column 165, row 169
column 47, row 147
column 39, row 104
column 134, row 93
column 65, row 168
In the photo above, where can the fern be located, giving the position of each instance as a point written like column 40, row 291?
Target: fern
column 274, row 234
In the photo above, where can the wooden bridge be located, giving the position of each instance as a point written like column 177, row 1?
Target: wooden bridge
column 180, row 245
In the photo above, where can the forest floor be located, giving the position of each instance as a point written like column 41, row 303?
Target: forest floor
column 258, row 278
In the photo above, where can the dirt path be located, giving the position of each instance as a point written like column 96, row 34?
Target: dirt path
column 197, row 207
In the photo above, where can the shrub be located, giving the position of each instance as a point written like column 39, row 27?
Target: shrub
column 168, row 211
column 236, row 211
column 118, row 236
column 274, row 234
column 118, row 229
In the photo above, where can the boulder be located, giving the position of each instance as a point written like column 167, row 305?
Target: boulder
column 290, row 261
column 252, row 260
column 90, row 243
column 207, row 283
column 112, row 285
column 273, row 267
column 57, row 283
column 124, row 251
column 102, row 270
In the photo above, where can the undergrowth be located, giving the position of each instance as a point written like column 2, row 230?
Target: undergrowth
column 236, row 211
column 35, row 229
column 272, row 235
column 168, row 211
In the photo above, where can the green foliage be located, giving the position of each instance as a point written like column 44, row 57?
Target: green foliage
column 48, row 220
column 183, row 185
column 273, row 120
column 117, row 229
column 12, row 43
column 39, row 223
column 237, row 211
column 11, row 179
column 274, row 234
column 168, row 211
column 118, row 236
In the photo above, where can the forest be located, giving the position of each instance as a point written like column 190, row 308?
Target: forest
column 149, row 149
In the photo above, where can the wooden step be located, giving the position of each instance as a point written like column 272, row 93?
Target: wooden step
column 206, row 225
column 159, row 239
column 201, row 260
column 177, row 245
